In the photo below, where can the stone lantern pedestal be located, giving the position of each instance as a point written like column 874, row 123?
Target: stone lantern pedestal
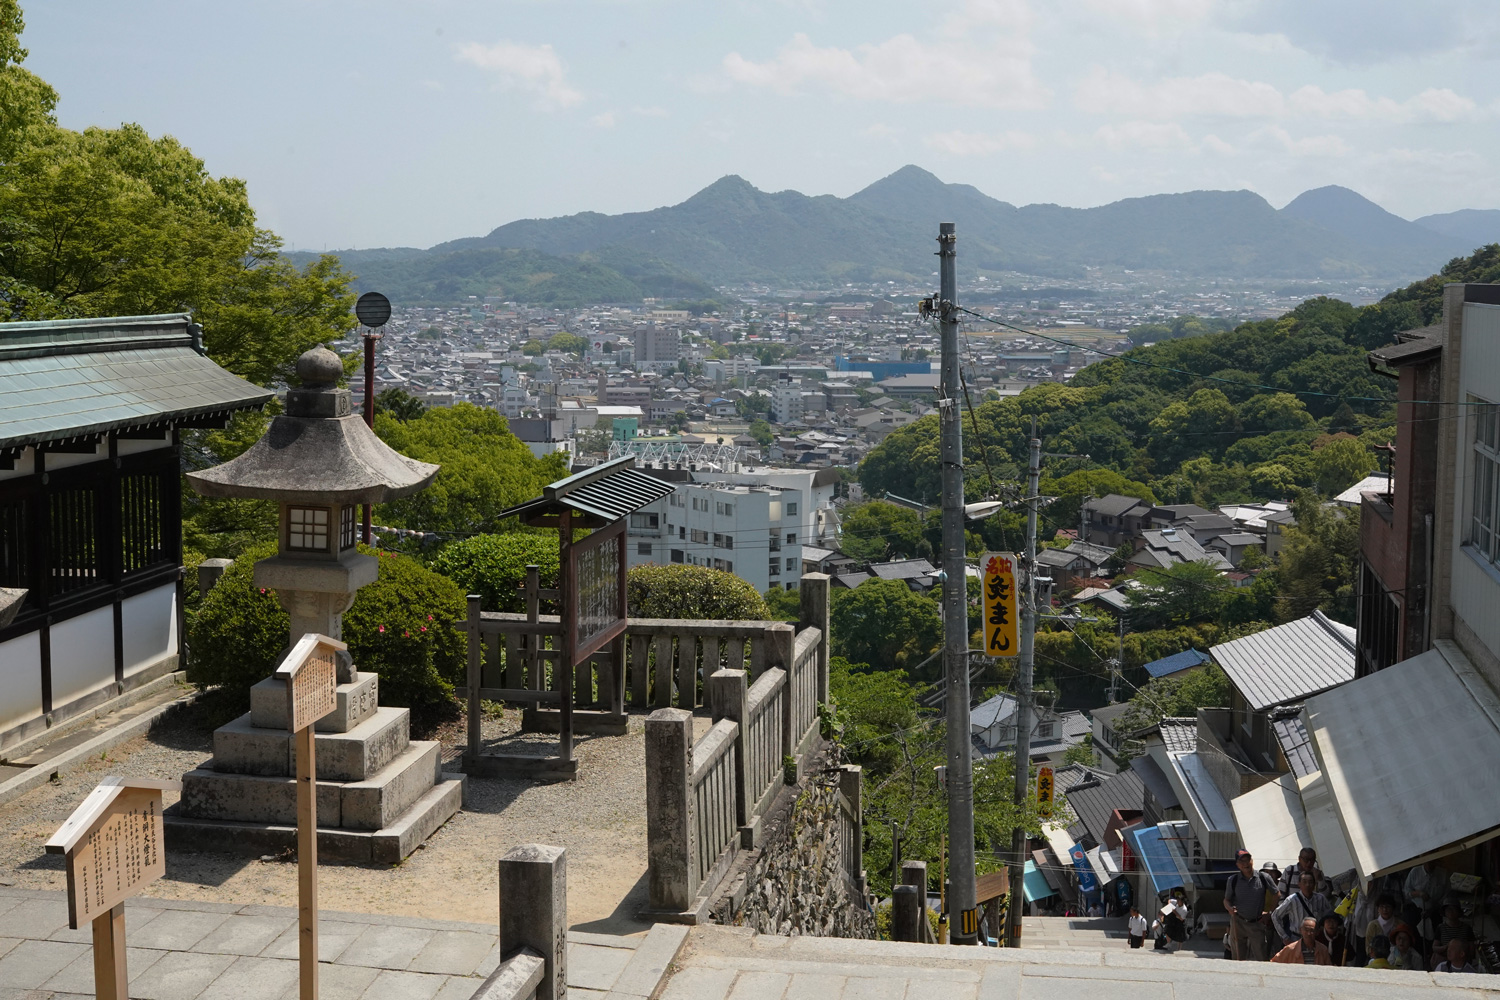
column 380, row 793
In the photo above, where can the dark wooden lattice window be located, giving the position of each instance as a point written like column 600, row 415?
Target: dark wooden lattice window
column 75, row 554
column 141, row 537
column 15, row 544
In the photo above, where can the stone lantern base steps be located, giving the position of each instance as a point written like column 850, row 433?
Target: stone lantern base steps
column 380, row 793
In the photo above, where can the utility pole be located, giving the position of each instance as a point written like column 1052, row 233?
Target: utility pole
column 961, row 901
column 1023, row 696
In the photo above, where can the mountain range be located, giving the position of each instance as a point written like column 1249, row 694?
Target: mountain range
column 731, row 232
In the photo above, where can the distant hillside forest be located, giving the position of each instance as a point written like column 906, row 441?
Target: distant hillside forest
column 610, row 275
column 1185, row 417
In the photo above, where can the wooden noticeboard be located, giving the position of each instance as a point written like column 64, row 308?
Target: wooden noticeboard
column 595, row 582
column 310, row 671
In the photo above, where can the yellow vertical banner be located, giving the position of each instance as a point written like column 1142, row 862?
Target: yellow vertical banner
column 999, row 604
column 1044, row 791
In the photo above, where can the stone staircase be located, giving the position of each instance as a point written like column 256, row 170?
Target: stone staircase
column 380, row 793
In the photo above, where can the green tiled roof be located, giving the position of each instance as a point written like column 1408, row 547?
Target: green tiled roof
column 71, row 378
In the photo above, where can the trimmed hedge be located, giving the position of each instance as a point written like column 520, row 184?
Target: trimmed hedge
column 494, row 566
column 691, row 592
column 400, row 626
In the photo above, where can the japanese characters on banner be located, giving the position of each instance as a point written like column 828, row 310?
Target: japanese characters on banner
column 999, row 581
column 1044, row 791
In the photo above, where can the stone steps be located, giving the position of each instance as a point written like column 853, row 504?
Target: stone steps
column 360, row 805
column 241, row 747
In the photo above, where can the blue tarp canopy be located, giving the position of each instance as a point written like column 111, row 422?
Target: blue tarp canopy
column 1155, row 857
column 1036, row 884
column 1168, row 665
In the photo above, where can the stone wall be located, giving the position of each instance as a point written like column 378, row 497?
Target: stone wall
column 800, row 882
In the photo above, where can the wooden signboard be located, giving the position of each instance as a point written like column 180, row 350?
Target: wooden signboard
column 311, row 676
column 113, row 847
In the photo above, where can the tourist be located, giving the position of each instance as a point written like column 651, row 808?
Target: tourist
column 1335, row 938
column 1380, row 952
column 1307, row 861
column 1136, row 926
column 1307, row 949
column 1303, row 903
column 1245, row 897
column 1175, row 916
column 1404, row 951
column 1384, row 922
column 1426, row 888
column 1451, row 928
column 1458, row 958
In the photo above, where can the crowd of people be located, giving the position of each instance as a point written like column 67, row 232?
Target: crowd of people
column 1408, row 921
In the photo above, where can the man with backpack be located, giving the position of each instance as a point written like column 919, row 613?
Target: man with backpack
column 1249, row 896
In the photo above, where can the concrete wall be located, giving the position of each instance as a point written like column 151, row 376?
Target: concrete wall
column 1474, row 582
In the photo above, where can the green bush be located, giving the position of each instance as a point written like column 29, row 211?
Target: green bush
column 400, row 626
column 691, row 592
column 494, row 566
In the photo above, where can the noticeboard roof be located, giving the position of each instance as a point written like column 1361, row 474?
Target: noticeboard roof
column 603, row 494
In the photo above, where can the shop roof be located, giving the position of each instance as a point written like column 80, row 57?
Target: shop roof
column 1168, row 665
column 1289, row 662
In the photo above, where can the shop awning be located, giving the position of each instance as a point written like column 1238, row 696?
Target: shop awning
column 1152, row 855
column 1273, row 822
column 1409, row 756
column 1035, row 884
column 1206, row 808
column 1334, row 854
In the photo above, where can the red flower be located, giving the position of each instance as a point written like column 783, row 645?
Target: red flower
column 424, row 628
column 382, row 628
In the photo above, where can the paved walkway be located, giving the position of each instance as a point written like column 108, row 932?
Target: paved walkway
column 183, row 950
column 726, row 963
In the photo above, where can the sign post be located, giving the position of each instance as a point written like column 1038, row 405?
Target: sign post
column 1000, row 604
column 113, row 847
column 310, row 672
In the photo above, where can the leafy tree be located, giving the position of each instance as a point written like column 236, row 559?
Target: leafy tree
column 783, row 605
column 1272, row 481
column 1186, row 428
column 567, row 343
column 494, row 566
column 1340, row 463
column 1178, row 595
column 1277, row 411
column 533, row 347
column 691, row 592
column 1319, row 563
column 1082, row 753
column 485, row 469
column 761, row 431
column 400, row 404
column 877, row 530
column 882, row 623
column 1173, row 697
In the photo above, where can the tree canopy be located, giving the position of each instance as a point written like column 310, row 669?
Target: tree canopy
column 882, row 623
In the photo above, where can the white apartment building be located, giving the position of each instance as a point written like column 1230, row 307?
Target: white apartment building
column 729, row 369
column 787, row 400
column 754, row 532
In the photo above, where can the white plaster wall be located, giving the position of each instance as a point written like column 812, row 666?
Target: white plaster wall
column 83, row 655
column 64, row 460
column 149, row 626
column 1475, row 588
column 131, row 446
column 20, row 680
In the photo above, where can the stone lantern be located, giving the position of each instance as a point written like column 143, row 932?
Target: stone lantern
column 380, row 793
column 319, row 462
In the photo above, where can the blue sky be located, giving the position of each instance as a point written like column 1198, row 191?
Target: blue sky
column 407, row 123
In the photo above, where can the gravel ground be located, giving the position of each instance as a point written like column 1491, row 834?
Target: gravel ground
column 600, row 818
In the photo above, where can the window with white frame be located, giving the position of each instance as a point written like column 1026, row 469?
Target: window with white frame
column 1484, row 515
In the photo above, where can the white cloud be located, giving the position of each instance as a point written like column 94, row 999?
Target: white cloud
column 1151, row 15
column 1278, row 139
column 1144, row 135
column 1219, row 95
column 533, row 68
column 902, row 70
column 603, row 120
column 651, row 112
column 960, row 143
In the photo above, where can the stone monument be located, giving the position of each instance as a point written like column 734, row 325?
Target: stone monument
column 380, row 794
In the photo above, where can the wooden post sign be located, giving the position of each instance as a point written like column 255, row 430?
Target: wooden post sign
column 311, row 677
column 113, row 847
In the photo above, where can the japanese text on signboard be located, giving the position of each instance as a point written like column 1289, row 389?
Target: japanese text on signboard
column 999, row 605
column 119, row 857
column 1044, row 791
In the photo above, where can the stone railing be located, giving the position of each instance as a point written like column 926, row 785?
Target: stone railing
column 533, row 927
column 706, row 800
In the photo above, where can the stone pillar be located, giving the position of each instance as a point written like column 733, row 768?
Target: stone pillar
column 905, row 914
column 851, row 784
column 914, row 873
column 671, row 834
column 209, row 573
column 534, row 911
column 729, row 690
column 782, row 639
column 814, row 591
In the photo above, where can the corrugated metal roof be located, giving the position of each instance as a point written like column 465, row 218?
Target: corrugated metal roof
column 1289, row 662
column 70, row 378
column 1185, row 660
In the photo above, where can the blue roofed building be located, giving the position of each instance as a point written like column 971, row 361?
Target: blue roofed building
column 1177, row 663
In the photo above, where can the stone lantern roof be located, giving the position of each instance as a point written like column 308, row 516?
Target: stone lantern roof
column 318, row 451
